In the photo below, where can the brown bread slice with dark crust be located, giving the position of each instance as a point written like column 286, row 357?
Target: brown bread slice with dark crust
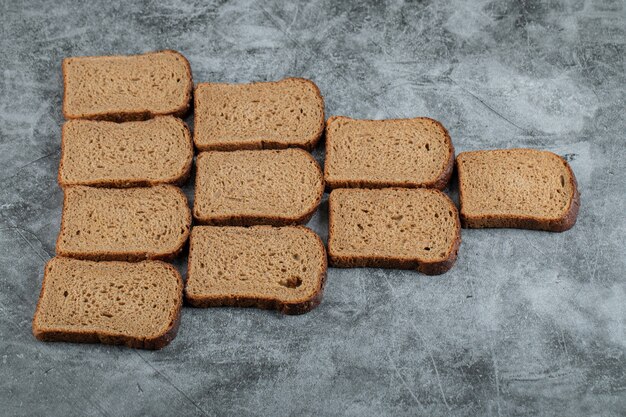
column 260, row 115
column 398, row 228
column 411, row 153
column 129, row 154
column 127, row 87
column 244, row 188
column 518, row 188
column 127, row 224
column 117, row 303
column 281, row 268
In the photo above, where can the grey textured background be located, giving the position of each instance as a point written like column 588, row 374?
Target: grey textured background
column 526, row 323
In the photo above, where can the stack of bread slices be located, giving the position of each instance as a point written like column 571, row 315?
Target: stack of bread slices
column 125, row 151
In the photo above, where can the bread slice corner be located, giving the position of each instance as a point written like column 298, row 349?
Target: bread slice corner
column 133, row 304
column 517, row 188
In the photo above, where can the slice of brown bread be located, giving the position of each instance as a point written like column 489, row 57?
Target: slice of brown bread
column 411, row 153
column 126, row 154
column 117, row 303
column 519, row 188
column 127, row 224
column 393, row 228
column 263, row 115
column 123, row 88
column 243, row 188
column 282, row 268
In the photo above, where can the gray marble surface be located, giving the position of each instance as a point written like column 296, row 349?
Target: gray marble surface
column 526, row 323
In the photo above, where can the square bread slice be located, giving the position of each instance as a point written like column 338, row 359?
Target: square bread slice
column 128, row 224
column 412, row 153
column 518, row 188
column 243, row 188
column 393, row 228
column 116, row 303
column 282, row 268
column 126, row 87
column 130, row 154
column 262, row 115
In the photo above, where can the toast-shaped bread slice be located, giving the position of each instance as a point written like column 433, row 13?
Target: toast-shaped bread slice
column 282, row 268
column 243, row 188
column 518, row 188
column 262, row 115
column 409, row 153
column 399, row 228
column 130, row 154
column 129, row 224
column 126, row 87
column 116, row 303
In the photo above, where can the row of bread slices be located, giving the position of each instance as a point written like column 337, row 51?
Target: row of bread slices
column 398, row 219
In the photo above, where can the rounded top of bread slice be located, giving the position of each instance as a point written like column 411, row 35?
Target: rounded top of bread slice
column 515, row 183
column 126, row 87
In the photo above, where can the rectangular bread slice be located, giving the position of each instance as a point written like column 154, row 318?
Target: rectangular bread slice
column 130, row 154
column 117, row 303
column 262, row 115
column 282, row 268
column 412, row 153
column 123, row 88
column 243, row 188
column 127, row 224
column 393, row 228
column 518, row 188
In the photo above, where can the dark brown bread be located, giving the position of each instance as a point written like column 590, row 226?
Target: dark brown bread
column 243, row 188
column 518, row 188
column 130, row 154
column 123, row 88
column 393, row 228
column 262, row 115
column 129, row 224
column 120, row 303
column 411, row 153
column 282, row 268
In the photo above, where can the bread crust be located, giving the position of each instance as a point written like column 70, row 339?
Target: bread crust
column 438, row 183
column 560, row 224
column 265, row 303
column 272, row 220
column 93, row 336
column 308, row 145
column 136, row 115
column 127, row 256
column 178, row 180
column 425, row 267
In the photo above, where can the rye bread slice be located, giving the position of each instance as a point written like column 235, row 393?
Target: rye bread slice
column 117, row 303
column 412, row 153
column 126, row 87
column 282, row 268
column 243, row 188
column 130, row 154
column 518, row 188
column 262, row 115
column 129, row 224
column 393, row 228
